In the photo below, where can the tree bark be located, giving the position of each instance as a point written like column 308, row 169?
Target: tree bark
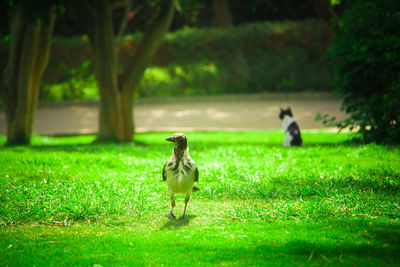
column 223, row 17
column 28, row 58
column 125, row 20
column 145, row 52
column 116, row 121
column 102, row 42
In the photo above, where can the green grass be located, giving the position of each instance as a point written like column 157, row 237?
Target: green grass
column 65, row 201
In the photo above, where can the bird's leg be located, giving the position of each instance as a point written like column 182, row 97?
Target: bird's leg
column 184, row 210
column 171, row 215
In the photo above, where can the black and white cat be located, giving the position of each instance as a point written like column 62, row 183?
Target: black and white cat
column 291, row 128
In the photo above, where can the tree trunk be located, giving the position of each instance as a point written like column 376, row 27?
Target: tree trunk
column 125, row 19
column 223, row 17
column 28, row 58
column 130, row 78
column 116, row 93
column 102, row 42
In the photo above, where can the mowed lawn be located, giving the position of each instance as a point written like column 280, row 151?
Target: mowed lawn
column 67, row 202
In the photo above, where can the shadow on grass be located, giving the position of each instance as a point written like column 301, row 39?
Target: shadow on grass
column 378, row 184
column 370, row 241
column 327, row 243
column 177, row 223
column 385, row 244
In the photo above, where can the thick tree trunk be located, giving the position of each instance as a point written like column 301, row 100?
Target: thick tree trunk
column 28, row 58
column 223, row 17
column 102, row 42
column 116, row 121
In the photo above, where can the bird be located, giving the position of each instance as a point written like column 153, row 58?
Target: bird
column 180, row 172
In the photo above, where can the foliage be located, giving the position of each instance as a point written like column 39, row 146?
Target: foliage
column 33, row 10
column 67, row 200
column 196, row 79
column 281, row 56
column 80, row 85
column 257, row 10
column 367, row 69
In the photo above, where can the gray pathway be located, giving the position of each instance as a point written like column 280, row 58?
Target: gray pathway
column 244, row 112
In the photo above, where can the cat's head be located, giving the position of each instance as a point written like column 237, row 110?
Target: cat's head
column 284, row 112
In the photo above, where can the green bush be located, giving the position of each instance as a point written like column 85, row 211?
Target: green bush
column 366, row 58
column 77, row 83
column 194, row 79
column 258, row 57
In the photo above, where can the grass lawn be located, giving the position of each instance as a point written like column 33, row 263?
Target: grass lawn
column 65, row 201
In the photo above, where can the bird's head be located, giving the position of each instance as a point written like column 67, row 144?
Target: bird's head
column 179, row 139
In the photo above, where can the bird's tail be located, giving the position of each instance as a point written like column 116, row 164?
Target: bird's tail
column 195, row 189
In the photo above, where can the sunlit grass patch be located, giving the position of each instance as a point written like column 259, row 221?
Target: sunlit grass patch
column 330, row 202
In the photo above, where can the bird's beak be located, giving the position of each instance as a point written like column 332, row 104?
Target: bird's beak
column 171, row 139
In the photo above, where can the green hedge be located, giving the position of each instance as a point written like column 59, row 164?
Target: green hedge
column 259, row 57
column 281, row 56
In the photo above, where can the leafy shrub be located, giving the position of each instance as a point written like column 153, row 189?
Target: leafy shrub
column 366, row 58
column 194, row 79
column 77, row 83
column 258, row 57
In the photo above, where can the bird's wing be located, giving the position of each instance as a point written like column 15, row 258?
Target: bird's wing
column 163, row 171
column 196, row 174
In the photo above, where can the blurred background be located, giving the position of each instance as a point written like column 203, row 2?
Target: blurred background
column 222, row 64
column 212, row 48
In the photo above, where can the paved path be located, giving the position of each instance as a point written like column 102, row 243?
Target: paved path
column 245, row 112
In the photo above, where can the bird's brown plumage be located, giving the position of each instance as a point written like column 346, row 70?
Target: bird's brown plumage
column 180, row 171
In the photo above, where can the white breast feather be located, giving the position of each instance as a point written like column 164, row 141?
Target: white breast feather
column 182, row 180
